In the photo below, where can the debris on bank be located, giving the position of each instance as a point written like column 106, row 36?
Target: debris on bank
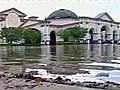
column 32, row 77
column 93, row 79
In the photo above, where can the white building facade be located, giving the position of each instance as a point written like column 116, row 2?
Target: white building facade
column 15, row 18
column 101, row 29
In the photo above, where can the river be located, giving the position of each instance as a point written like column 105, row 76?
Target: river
column 66, row 59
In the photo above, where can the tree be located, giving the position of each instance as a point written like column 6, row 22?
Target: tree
column 32, row 36
column 64, row 34
column 74, row 32
column 12, row 34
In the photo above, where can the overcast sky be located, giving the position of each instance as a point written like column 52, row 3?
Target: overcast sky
column 42, row 8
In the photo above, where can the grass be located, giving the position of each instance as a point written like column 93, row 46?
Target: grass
column 67, row 43
column 3, row 45
column 38, row 44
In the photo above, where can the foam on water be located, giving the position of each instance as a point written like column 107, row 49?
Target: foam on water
column 118, row 58
column 104, row 64
column 116, row 61
column 99, row 76
column 40, row 71
column 42, row 64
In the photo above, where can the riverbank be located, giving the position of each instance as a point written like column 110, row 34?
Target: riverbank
column 13, row 79
column 9, row 82
column 77, row 67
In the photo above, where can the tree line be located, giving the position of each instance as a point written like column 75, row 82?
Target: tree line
column 33, row 36
column 73, row 33
column 16, row 34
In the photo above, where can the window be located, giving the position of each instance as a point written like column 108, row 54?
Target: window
column 45, row 34
column 42, row 25
column 86, row 22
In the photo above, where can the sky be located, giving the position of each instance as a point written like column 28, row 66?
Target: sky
column 42, row 8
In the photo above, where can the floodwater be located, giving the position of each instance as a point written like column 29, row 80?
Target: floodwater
column 61, row 54
column 91, row 60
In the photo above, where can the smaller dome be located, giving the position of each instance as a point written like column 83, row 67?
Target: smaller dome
column 62, row 13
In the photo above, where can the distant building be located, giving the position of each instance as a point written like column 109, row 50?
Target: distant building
column 101, row 28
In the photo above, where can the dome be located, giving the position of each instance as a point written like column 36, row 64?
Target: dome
column 62, row 13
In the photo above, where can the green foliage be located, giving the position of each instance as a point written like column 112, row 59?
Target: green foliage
column 74, row 32
column 13, row 34
column 32, row 36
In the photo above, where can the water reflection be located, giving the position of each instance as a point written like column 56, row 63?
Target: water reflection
column 62, row 53
column 53, row 50
column 67, row 59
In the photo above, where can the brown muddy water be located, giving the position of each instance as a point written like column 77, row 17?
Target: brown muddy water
column 60, row 55
column 64, row 59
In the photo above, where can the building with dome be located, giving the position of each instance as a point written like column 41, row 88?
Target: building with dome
column 101, row 28
column 62, row 13
column 61, row 20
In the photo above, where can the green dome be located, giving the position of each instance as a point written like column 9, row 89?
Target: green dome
column 62, row 13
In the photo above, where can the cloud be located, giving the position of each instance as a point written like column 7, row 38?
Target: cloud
column 43, row 8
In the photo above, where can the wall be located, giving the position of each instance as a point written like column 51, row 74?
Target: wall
column 97, row 25
column 12, row 20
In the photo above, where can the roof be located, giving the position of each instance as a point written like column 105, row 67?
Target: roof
column 30, row 25
column 27, row 22
column 24, row 22
column 23, row 14
column 62, row 13
column 64, row 25
column 34, row 24
column 63, row 22
column 99, row 16
column 97, row 19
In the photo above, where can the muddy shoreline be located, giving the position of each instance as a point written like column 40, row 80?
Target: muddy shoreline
column 9, row 81
column 60, row 68
column 13, row 79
